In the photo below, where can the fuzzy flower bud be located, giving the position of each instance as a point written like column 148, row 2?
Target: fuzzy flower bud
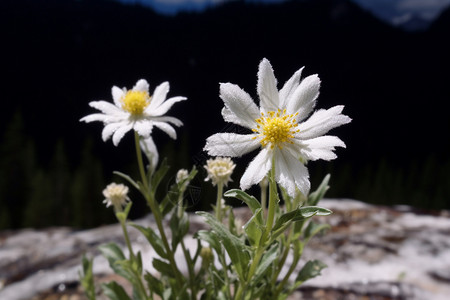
column 219, row 170
column 116, row 195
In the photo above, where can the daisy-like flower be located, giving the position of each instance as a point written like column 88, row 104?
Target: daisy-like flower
column 116, row 195
column 280, row 129
column 135, row 109
column 219, row 170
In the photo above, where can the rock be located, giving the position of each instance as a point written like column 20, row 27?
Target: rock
column 372, row 252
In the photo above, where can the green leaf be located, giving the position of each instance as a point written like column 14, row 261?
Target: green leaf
column 127, row 178
column 318, row 194
column 235, row 247
column 117, row 261
column 254, row 228
column 163, row 268
column 87, row 278
column 112, row 252
column 211, row 238
column 153, row 239
column 310, row 270
column 159, row 175
column 314, row 228
column 170, row 200
column 154, row 284
column 179, row 228
column 265, row 262
column 115, row 291
column 251, row 201
column 300, row 214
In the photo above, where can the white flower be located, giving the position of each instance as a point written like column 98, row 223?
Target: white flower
column 219, row 170
column 135, row 109
column 280, row 129
column 116, row 195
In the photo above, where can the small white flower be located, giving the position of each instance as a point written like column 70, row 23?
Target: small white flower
column 280, row 129
column 219, row 170
column 116, row 195
column 135, row 109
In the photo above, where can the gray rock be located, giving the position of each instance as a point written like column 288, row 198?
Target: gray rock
column 372, row 253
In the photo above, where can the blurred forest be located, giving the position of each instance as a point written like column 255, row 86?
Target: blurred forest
column 60, row 54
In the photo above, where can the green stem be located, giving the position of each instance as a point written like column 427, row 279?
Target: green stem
column 140, row 162
column 240, row 294
column 190, row 266
column 127, row 240
column 283, row 258
column 264, row 196
column 219, row 202
column 149, row 196
column 141, row 287
column 286, row 277
column 225, row 272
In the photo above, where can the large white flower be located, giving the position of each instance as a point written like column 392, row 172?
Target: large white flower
column 280, row 129
column 136, row 109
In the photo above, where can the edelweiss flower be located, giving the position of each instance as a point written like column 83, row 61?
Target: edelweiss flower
column 219, row 170
column 135, row 109
column 279, row 129
column 116, row 195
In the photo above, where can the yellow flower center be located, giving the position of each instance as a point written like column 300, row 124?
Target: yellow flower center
column 135, row 102
column 276, row 128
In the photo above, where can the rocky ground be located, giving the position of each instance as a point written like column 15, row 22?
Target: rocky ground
column 372, row 253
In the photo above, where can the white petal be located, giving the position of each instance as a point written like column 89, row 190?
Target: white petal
column 303, row 99
column 290, row 173
column 109, row 129
column 267, row 87
column 163, row 108
column 257, row 169
column 289, row 87
column 231, row 144
column 168, row 119
column 321, row 147
column 106, row 107
column 120, row 132
column 150, row 150
column 166, row 128
column 321, row 122
column 230, row 117
column 240, row 104
column 159, row 95
column 117, row 94
column 143, row 127
column 95, row 117
column 141, row 86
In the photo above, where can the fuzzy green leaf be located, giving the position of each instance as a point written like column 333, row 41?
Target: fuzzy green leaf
column 163, row 267
column 159, row 175
column 87, row 278
column 115, row 291
column 211, row 238
column 314, row 228
column 251, row 201
column 235, row 247
column 154, row 284
column 300, row 214
column 318, row 194
column 265, row 262
column 127, row 178
column 179, row 228
column 153, row 239
column 254, row 228
column 310, row 270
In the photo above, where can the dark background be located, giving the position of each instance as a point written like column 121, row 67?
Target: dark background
column 58, row 55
